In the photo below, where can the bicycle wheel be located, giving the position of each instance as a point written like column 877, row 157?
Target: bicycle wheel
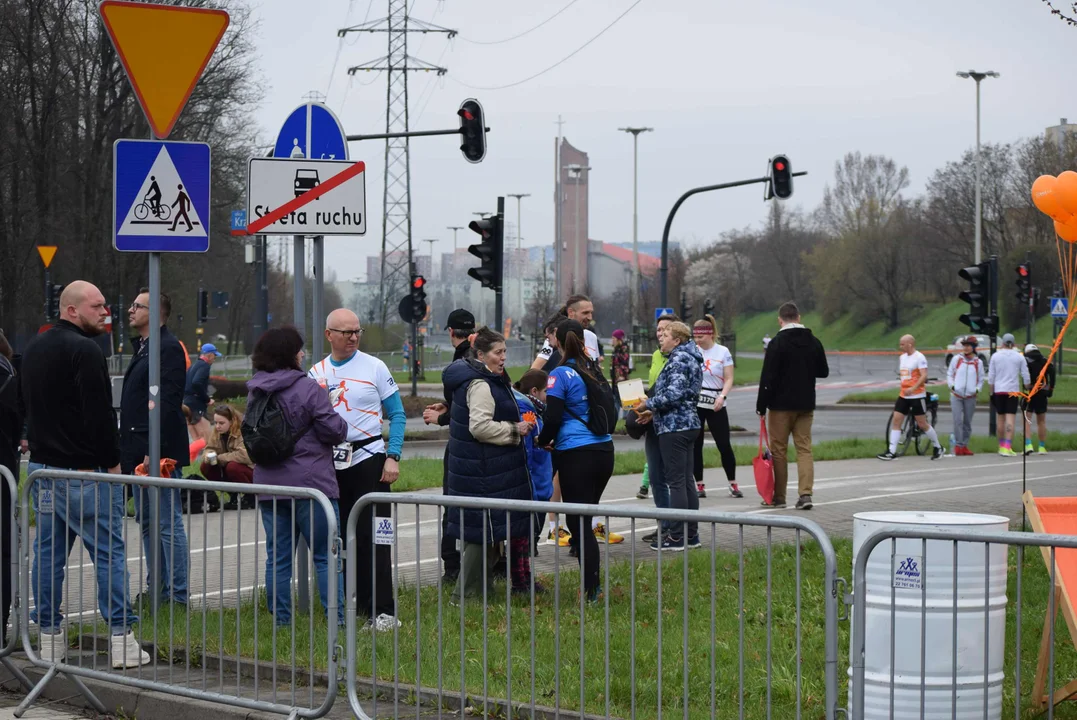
column 922, row 442
column 908, row 434
column 164, row 212
column 142, row 211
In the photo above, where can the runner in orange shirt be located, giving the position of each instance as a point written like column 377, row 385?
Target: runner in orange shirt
column 912, row 400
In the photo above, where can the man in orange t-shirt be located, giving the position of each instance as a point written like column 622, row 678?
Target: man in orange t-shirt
column 912, row 400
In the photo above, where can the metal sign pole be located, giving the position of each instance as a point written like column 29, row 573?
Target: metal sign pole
column 302, row 556
column 154, row 557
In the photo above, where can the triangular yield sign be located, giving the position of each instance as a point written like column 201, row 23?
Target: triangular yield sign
column 164, row 49
column 47, row 252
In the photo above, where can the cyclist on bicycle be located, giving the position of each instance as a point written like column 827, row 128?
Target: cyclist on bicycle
column 912, row 400
column 154, row 196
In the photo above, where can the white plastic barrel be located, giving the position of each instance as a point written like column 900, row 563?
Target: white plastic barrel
column 914, row 575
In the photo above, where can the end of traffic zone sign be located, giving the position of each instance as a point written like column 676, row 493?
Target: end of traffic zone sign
column 279, row 178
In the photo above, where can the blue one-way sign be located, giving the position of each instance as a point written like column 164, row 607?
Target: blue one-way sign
column 160, row 196
column 1060, row 307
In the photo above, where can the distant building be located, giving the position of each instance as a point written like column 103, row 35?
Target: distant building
column 574, row 218
column 1057, row 133
column 395, row 259
column 610, row 268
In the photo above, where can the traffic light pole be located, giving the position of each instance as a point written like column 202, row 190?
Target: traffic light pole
column 664, row 271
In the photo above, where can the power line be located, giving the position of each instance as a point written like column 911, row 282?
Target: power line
column 525, row 32
column 340, row 48
column 556, row 64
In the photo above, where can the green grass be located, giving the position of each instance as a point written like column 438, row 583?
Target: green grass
column 422, row 643
column 1065, row 394
column 935, row 327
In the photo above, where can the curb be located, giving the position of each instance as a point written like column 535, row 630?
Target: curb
column 943, row 407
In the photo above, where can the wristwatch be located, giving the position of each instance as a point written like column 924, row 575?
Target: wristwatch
column 394, row 456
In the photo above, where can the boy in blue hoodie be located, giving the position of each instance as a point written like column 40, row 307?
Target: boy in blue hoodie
column 530, row 393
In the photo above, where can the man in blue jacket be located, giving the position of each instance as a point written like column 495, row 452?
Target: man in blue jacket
column 196, row 390
column 135, row 441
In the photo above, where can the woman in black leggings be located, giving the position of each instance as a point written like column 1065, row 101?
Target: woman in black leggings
column 717, row 384
column 584, row 460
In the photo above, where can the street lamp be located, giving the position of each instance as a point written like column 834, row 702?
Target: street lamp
column 519, row 246
column 577, row 171
column 431, row 241
column 978, row 76
column 635, row 214
column 454, row 228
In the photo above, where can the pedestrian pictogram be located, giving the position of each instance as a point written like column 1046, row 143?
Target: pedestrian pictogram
column 164, row 49
column 47, row 253
column 162, row 196
column 1059, row 307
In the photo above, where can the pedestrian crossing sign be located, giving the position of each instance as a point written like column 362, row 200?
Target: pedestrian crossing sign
column 1059, row 307
column 161, row 195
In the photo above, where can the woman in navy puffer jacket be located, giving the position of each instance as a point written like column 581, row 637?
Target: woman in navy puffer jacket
column 676, row 422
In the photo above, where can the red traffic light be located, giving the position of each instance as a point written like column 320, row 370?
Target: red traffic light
column 418, row 282
column 1022, row 270
column 779, row 166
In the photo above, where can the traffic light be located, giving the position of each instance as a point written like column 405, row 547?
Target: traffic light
column 978, row 318
column 418, row 298
column 781, row 177
column 489, row 250
column 203, row 306
column 686, row 309
column 1024, row 282
column 708, row 307
column 52, row 301
column 472, row 130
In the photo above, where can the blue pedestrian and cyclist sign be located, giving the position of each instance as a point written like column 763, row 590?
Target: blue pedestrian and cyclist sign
column 160, row 196
column 1060, row 307
column 659, row 312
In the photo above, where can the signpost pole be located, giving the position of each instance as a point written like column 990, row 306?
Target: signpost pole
column 302, row 557
column 318, row 300
column 153, row 562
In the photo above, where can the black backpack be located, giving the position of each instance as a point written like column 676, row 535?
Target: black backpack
column 601, row 405
column 267, row 435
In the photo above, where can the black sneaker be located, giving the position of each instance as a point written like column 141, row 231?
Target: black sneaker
column 937, row 453
column 669, row 544
column 887, row 456
column 775, row 504
column 641, row 494
column 804, row 502
column 694, row 542
column 650, row 537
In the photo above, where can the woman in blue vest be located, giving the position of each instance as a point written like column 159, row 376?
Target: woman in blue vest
column 486, row 458
column 583, row 459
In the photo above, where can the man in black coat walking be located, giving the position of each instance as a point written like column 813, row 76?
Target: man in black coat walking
column 793, row 361
column 134, row 441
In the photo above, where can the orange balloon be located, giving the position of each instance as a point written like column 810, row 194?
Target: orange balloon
column 1066, row 231
column 1066, row 190
column 1045, row 197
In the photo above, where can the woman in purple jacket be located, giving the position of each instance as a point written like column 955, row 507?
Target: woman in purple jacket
column 277, row 360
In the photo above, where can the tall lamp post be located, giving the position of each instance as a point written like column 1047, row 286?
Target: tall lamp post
column 577, row 171
column 978, row 77
column 635, row 217
column 519, row 246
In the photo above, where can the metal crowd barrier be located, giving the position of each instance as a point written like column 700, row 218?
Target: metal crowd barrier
column 614, row 665
column 933, row 644
column 222, row 645
column 9, row 525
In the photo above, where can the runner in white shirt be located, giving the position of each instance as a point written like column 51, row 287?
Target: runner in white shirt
column 362, row 391
column 912, row 399
column 1004, row 376
column 578, row 307
column 717, row 384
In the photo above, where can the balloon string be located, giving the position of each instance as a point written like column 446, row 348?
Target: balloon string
column 1040, row 379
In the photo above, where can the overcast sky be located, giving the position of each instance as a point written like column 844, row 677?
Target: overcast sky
column 725, row 85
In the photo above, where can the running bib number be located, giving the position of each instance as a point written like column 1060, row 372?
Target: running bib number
column 342, row 456
column 707, row 398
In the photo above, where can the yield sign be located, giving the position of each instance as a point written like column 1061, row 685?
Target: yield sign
column 164, row 49
column 47, row 253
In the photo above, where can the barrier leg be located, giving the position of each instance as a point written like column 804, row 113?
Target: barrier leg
column 17, row 673
column 34, row 692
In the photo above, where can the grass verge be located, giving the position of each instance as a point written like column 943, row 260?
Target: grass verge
column 491, row 645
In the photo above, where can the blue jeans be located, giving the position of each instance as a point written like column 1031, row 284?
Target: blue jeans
column 172, row 553
column 94, row 512
column 281, row 535
column 659, row 488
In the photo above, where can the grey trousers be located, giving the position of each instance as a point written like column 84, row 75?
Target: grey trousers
column 962, row 410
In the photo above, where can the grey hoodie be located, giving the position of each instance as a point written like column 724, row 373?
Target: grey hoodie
column 306, row 405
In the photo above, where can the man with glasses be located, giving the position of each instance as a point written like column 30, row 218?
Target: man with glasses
column 362, row 391
column 135, row 401
column 71, row 425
